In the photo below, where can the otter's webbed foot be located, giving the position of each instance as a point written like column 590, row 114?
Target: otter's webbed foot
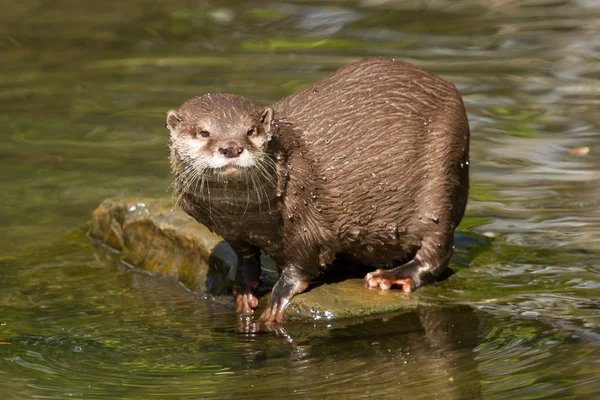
column 410, row 276
column 288, row 285
column 246, row 281
column 429, row 262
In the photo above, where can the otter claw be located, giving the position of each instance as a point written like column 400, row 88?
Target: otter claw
column 245, row 301
column 275, row 311
column 280, row 298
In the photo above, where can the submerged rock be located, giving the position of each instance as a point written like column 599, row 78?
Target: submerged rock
column 152, row 235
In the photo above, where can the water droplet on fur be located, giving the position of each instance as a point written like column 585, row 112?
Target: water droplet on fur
column 290, row 216
column 327, row 141
column 434, row 218
column 467, row 163
column 331, row 168
column 314, row 91
column 355, row 232
column 323, row 178
column 304, row 229
column 314, row 196
column 393, row 228
column 305, row 202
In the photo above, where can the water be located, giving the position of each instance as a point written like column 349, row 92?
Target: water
column 84, row 88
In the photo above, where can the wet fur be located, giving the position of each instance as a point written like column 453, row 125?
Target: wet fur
column 370, row 163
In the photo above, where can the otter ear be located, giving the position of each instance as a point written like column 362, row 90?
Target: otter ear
column 266, row 118
column 173, row 119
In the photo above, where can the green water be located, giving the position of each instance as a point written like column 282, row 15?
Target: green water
column 84, row 87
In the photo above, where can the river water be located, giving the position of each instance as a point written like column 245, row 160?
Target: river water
column 84, row 87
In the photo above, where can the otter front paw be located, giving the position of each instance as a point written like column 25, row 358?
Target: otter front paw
column 245, row 298
column 282, row 293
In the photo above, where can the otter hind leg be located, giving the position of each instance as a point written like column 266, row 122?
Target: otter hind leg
column 429, row 262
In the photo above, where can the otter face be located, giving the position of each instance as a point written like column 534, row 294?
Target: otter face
column 220, row 134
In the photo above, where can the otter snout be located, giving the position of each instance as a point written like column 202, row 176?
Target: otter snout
column 231, row 150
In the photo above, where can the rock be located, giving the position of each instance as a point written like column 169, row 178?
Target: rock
column 153, row 235
column 165, row 242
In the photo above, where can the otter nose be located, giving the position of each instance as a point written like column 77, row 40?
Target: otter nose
column 232, row 150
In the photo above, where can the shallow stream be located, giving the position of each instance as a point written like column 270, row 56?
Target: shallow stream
column 84, row 87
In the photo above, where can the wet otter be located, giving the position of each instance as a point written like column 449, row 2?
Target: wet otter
column 370, row 163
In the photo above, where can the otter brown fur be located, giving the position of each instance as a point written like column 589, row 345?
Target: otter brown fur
column 370, row 163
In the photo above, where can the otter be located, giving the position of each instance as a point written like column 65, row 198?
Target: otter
column 370, row 164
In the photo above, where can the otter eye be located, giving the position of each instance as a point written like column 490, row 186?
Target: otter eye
column 202, row 133
column 251, row 131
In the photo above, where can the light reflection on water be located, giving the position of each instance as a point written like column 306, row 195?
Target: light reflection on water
column 83, row 93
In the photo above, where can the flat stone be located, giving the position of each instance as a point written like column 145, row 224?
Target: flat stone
column 348, row 299
column 154, row 236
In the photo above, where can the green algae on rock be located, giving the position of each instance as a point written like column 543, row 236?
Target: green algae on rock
column 164, row 242
column 152, row 235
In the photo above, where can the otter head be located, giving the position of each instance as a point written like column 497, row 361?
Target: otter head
column 220, row 134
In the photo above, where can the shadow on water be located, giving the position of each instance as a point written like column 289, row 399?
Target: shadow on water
column 408, row 349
